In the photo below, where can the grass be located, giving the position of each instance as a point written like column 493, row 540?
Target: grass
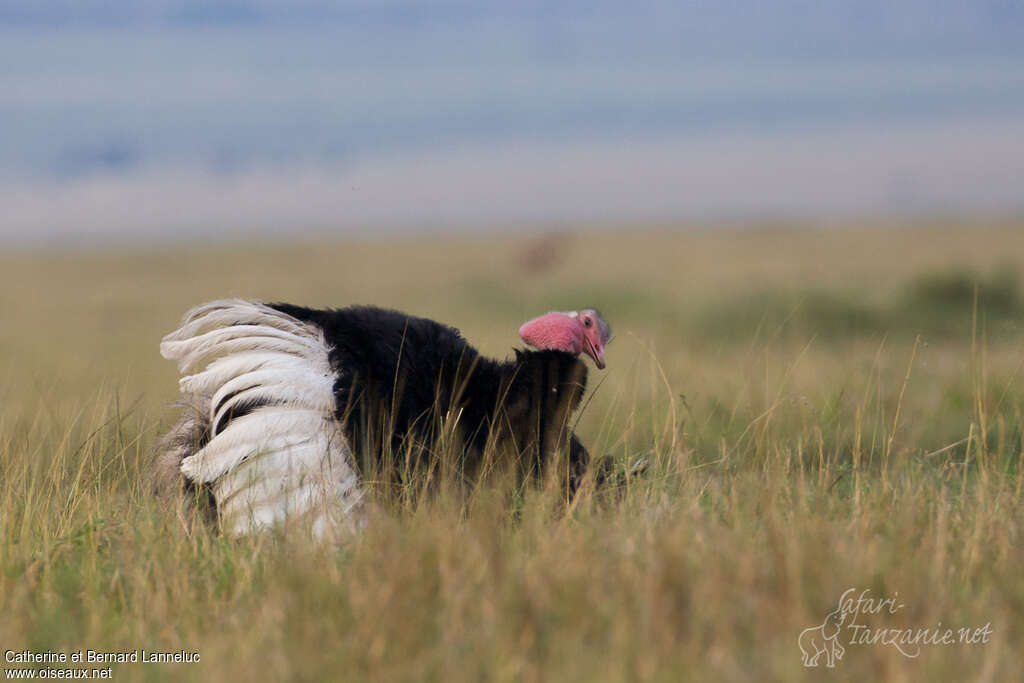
column 821, row 411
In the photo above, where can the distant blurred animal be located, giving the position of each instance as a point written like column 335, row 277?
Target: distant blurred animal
column 544, row 252
column 286, row 406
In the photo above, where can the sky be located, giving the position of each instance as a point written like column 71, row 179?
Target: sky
column 158, row 119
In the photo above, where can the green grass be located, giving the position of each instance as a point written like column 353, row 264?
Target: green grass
column 821, row 411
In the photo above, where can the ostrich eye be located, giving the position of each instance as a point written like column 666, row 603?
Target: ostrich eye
column 587, row 322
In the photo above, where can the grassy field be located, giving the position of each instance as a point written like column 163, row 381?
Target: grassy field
column 822, row 410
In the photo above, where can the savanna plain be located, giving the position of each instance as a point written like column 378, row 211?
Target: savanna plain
column 818, row 410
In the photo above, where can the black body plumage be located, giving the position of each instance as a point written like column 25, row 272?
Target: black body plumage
column 399, row 377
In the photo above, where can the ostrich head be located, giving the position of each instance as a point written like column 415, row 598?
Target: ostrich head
column 573, row 332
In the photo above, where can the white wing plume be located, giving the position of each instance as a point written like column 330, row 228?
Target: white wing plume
column 275, row 450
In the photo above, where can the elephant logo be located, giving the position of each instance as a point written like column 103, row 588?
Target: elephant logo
column 823, row 640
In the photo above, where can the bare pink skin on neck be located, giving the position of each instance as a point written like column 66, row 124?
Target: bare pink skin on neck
column 573, row 332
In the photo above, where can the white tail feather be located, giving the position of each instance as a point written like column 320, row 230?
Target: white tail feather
column 286, row 458
column 191, row 352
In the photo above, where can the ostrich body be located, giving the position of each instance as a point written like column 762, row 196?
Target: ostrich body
column 287, row 407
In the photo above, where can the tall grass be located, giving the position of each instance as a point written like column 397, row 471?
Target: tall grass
column 785, row 465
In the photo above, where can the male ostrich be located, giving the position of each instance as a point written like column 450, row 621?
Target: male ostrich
column 295, row 404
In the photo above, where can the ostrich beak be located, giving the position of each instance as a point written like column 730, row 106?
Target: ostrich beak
column 595, row 351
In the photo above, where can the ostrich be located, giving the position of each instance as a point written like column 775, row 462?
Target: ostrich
column 287, row 407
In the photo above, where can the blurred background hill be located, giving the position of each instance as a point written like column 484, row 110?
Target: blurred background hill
column 164, row 118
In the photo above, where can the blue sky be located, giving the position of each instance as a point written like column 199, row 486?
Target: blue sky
column 559, row 106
